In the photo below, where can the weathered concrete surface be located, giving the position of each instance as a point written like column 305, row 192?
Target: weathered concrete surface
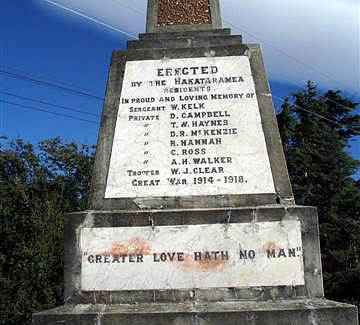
column 155, row 218
column 186, row 34
column 290, row 312
column 186, row 42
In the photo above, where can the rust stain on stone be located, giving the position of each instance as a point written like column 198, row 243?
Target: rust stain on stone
column 190, row 264
column 269, row 246
column 183, row 12
column 135, row 245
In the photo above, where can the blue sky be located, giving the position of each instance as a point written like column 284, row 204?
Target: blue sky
column 316, row 40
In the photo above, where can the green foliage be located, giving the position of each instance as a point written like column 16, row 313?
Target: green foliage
column 316, row 132
column 36, row 189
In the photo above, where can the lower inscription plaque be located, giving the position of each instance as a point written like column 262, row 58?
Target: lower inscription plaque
column 188, row 127
column 194, row 256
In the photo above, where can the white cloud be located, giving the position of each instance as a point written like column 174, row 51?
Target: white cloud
column 323, row 34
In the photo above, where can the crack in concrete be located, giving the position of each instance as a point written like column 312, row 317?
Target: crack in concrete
column 100, row 315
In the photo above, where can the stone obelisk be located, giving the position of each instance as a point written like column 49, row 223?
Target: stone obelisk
column 192, row 219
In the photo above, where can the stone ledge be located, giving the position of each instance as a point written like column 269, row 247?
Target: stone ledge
column 266, row 208
column 282, row 312
column 186, row 42
column 172, row 35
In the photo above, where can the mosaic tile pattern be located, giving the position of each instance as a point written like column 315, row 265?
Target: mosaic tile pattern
column 183, row 12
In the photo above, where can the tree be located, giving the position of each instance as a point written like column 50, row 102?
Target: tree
column 316, row 132
column 36, row 189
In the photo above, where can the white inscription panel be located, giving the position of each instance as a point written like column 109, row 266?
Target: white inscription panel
column 188, row 127
column 196, row 256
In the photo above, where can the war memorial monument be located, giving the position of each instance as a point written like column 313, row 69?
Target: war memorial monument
column 192, row 218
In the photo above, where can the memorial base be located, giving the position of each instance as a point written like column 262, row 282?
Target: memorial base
column 294, row 312
column 253, row 305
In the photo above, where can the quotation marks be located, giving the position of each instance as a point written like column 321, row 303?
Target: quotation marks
column 146, row 143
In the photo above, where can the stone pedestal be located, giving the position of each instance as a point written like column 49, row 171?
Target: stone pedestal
column 256, row 305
